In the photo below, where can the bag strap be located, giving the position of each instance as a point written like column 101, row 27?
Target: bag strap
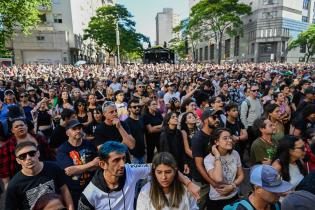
column 246, row 204
column 277, row 206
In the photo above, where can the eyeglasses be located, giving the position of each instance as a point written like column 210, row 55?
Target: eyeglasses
column 226, row 138
column 256, row 90
column 301, row 148
column 23, row 156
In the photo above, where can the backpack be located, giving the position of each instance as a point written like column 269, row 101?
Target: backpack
column 248, row 106
column 244, row 203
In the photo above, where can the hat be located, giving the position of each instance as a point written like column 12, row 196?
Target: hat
column 30, row 88
column 9, row 91
column 207, row 113
column 309, row 90
column 72, row 124
column 242, row 80
column 173, row 100
column 298, row 200
column 269, row 179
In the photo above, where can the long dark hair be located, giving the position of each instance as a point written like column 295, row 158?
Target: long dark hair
column 183, row 124
column 283, row 156
column 216, row 136
column 76, row 104
column 157, row 195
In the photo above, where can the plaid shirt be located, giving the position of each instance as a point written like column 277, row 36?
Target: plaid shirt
column 235, row 95
column 8, row 165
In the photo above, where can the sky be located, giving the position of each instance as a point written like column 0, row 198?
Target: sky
column 144, row 12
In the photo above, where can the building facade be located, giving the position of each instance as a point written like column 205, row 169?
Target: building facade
column 58, row 39
column 165, row 22
column 267, row 32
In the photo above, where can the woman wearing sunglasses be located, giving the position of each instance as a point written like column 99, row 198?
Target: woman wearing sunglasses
column 288, row 159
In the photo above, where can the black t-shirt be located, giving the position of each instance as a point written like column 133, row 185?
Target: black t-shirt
column 200, row 143
column 235, row 128
column 68, row 155
column 104, row 133
column 137, row 130
column 152, row 120
column 90, row 129
column 302, row 124
column 58, row 137
column 23, row 191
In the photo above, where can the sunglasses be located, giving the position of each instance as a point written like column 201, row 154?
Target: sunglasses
column 23, row 96
column 23, row 156
column 135, row 107
column 256, row 90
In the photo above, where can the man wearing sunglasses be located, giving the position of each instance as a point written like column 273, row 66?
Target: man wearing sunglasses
column 137, row 130
column 34, row 180
column 251, row 109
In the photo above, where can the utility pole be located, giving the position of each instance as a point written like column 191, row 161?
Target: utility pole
column 117, row 43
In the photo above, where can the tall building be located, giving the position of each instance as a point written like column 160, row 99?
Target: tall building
column 165, row 22
column 267, row 31
column 59, row 36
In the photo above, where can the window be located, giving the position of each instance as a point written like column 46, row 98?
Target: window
column 305, row 19
column 303, row 48
column 268, row 2
column 200, row 54
column 283, row 46
column 227, row 48
column 252, row 49
column 42, row 18
column 269, row 15
column 58, row 18
column 306, row 4
column 206, row 53
column 40, row 38
column 212, row 51
column 237, row 46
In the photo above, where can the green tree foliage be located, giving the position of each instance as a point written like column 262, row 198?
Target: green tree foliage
column 307, row 39
column 187, row 34
column 102, row 29
column 18, row 15
column 211, row 19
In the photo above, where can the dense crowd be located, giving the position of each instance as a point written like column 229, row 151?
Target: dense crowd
column 158, row 136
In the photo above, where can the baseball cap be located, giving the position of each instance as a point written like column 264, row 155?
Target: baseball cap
column 269, row 179
column 301, row 200
column 9, row 91
column 207, row 113
column 72, row 124
column 30, row 89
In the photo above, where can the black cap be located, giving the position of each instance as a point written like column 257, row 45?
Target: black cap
column 208, row 113
column 72, row 124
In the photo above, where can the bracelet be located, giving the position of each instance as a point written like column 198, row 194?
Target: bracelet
column 217, row 158
column 188, row 183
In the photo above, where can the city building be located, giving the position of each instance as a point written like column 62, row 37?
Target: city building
column 165, row 22
column 58, row 39
column 267, row 32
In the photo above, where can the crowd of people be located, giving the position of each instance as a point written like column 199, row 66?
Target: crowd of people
column 158, row 136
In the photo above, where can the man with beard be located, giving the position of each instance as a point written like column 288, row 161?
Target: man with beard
column 78, row 158
column 113, row 187
column 137, row 130
column 200, row 143
column 34, row 180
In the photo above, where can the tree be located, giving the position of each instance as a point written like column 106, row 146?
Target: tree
column 189, row 36
column 211, row 19
column 102, row 29
column 18, row 14
column 178, row 45
column 307, row 39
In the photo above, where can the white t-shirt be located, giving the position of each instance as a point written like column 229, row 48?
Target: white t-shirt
column 295, row 175
column 230, row 163
column 144, row 202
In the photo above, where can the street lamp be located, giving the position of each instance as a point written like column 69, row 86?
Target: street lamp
column 117, row 43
